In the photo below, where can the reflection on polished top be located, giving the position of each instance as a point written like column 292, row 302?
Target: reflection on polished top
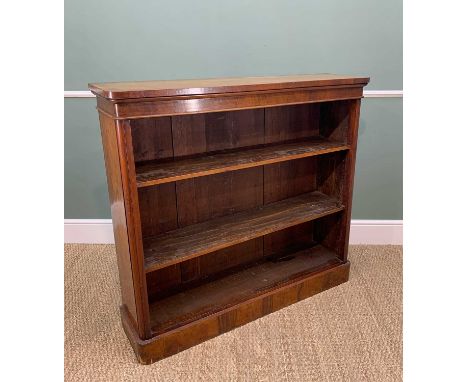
column 167, row 88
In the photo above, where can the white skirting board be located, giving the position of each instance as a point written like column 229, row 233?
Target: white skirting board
column 99, row 231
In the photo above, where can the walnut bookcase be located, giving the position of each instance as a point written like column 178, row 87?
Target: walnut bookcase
column 230, row 199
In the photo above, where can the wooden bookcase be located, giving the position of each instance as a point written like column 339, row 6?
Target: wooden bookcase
column 230, row 198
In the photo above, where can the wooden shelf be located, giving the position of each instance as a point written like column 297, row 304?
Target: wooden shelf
column 182, row 244
column 260, row 279
column 149, row 174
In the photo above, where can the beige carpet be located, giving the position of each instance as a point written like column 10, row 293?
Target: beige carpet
column 350, row 333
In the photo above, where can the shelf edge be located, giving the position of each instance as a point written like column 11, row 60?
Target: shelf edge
column 154, row 182
column 159, row 265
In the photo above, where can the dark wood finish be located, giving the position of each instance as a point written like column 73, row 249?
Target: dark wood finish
column 119, row 221
column 230, row 199
column 286, row 180
column 184, row 337
column 120, row 173
column 201, row 133
column 149, row 89
column 158, row 209
column 164, row 106
column 334, row 120
column 183, row 308
column 149, row 174
column 181, row 276
column 152, row 139
column 201, row 199
column 206, row 198
column 291, row 122
column 127, row 171
column 342, row 242
column 198, row 239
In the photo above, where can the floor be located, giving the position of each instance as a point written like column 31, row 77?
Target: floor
column 349, row 333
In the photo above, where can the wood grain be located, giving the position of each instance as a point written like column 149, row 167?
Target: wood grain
column 334, row 120
column 211, row 180
column 152, row 139
column 158, row 209
column 286, row 123
column 205, row 198
column 287, row 179
column 164, row 88
column 342, row 242
column 175, row 341
column 199, row 200
column 199, row 239
column 176, row 278
column 290, row 239
column 165, row 106
column 134, row 229
column 185, row 307
column 202, row 133
column 149, row 174
column 119, row 220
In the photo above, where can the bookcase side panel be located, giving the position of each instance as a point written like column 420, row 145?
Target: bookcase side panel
column 350, row 164
column 334, row 120
column 339, row 121
column 119, row 220
column 134, row 229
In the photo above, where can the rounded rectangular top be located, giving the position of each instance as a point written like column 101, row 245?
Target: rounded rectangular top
column 169, row 88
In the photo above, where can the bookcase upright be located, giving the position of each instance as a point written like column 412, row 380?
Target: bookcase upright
column 230, row 199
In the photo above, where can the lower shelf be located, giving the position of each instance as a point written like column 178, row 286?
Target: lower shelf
column 257, row 280
column 256, row 292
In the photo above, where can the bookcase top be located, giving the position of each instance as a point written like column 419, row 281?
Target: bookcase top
column 170, row 88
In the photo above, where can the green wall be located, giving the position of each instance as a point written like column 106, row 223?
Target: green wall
column 129, row 40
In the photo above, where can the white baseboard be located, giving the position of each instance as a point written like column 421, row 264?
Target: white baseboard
column 90, row 231
column 99, row 231
column 376, row 232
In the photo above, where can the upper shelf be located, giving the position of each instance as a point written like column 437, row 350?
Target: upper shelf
column 149, row 174
column 168, row 88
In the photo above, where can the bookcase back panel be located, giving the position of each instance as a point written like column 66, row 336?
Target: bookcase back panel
column 203, row 198
column 185, row 275
column 289, row 240
column 291, row 122
column 330, row 177
column 174, row 205
column 158, row 209
column 187, row 135
column 152, row 139
column 328, row 232
column 200, row 133
column 287, row 179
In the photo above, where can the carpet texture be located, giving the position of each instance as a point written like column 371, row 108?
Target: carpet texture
column 349, row 333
